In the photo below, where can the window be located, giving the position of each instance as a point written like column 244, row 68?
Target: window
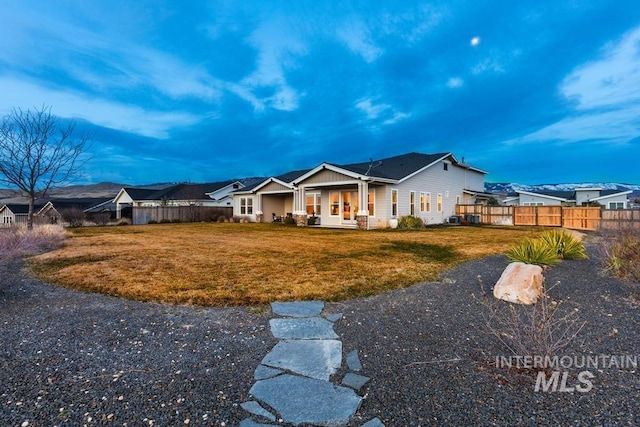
column 457, row 200
column 412, row 203
column 425, row 202
column 394, row 202
column 533, row 204
column 445, row 166
column 246, row 205
column 439, row 202
column 334, row 203
column 616, row 205
column 313, row 204
column 371, row 203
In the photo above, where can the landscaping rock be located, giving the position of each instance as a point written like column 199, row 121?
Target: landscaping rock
column 520, row 283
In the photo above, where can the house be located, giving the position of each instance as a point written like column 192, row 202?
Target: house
column 216, row 194
column 16, row 214
column 373, row 194
column 610, row 199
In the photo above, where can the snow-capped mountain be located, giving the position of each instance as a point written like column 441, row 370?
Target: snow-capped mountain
column 506, row 188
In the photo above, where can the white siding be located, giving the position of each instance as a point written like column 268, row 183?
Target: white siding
column 529, row 200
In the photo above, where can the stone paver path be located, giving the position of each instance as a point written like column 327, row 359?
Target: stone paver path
column 293, row 381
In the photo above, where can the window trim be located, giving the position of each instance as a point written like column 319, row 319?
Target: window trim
column 439, row 202
column 371, row 203
column 412, row 203
column 336, row 205
column 246, row 208
column 394, row 203
column 316, row 205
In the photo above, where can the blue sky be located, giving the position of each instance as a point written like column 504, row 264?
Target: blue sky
column 531, row 91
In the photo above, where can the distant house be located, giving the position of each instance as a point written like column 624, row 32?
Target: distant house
column 610, row 199
column 366, row 195
column 216, row 194
column 16, row 214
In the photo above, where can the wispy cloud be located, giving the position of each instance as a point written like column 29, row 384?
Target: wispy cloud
column 357, row 36
column 381, row 113
column 114, row 115
column 455, row 82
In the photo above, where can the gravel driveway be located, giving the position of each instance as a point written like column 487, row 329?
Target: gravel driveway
column 70, row 358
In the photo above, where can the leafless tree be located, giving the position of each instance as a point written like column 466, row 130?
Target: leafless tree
column 38, row 152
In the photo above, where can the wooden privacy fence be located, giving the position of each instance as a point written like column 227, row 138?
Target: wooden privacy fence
column 580, row 218
column 142, row 215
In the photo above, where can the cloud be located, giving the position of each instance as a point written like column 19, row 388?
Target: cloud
column 114, row 115
column 380, row 113
column 612, row 80
column 455, row 82
column 357, row 36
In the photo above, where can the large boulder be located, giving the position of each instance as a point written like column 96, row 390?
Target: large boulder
column 520, row 283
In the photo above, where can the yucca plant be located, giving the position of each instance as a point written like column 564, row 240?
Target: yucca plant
column 534, row 251
column 565, row 245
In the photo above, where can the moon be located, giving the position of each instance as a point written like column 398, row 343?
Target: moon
column 475, row 41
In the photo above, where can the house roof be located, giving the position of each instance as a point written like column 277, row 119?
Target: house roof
column 556, row 195
column 24, row 208
column 177, row 191
column 397, row 167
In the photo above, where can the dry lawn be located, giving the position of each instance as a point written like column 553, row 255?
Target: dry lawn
column 244, row 264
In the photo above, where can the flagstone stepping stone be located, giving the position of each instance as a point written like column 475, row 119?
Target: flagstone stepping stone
column 263, row 372
column 333, row 317
column 355, row 381
column 317, row 359
column 373, row 423
column 255, row 408
column 306, row 400
column 302, row 328
column 297, row 308
column 353, row 361
column 250, row 423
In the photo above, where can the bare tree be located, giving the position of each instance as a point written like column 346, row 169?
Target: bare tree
column 38, row 152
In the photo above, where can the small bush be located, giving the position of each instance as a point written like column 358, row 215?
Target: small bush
column 289, row 220
column 621, row 255
column 74, row 216
column 565, row 245
column 176, row 221
column 222, row 219
column 410, row 223
column 123, row 222
column 534, row 251
column 165, row 221
column 152, row 221
column 18, row 241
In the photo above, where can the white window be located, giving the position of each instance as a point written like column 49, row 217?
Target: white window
column 457, row 200
column 246, row 205
column 425, row 202
column 371, row 199
column 412, row 203
column 439, row 202
column 334, row 204
column 313, row 203
column 533, row 204
column 394, row 203
column 616, row 205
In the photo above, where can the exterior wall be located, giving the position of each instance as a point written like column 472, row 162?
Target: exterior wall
column 326, row 176
column 435, row 180
column 526, row 198
column 236, row 206
column 279, row 204
column 6, row 218
column 615, row 199
column 583, row 196
column 273, row 186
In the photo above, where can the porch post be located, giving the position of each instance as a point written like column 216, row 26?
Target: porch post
column 299, row 206
column 362, row 216
column 258, row 208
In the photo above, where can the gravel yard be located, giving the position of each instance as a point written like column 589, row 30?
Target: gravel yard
column 70, row 358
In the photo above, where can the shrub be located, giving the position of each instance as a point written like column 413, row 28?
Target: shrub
column 543, row 329
column 18, row 241
column 621, row 255
column 534, row 251
column 123, row 222
column 74, row 216
column 152, row 221
column 565, row 245
column 176, row 221
column 410, row 223
column 165, row 221
column 289, row 220
column 101, row 218
column 222, row 218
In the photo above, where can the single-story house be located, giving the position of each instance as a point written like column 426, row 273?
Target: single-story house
column 215, row 194
column 610, row 199
column 373, row 194
column 16, row 214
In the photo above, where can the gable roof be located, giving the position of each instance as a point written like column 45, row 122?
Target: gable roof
column 177, row 191
column 18, row 209
column 555, row 195
column 397, row 167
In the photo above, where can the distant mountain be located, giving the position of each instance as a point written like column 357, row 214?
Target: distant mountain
column 503, row 188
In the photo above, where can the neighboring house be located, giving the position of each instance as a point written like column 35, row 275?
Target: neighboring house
column 15, row 214
column 216, row 194
column 610, row 199
column 366, row 195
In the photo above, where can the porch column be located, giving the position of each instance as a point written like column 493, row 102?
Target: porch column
column 300, row 206
column 362, row 216
column 258, row 208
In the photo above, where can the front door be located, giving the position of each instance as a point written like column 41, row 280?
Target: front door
column 349, row 207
